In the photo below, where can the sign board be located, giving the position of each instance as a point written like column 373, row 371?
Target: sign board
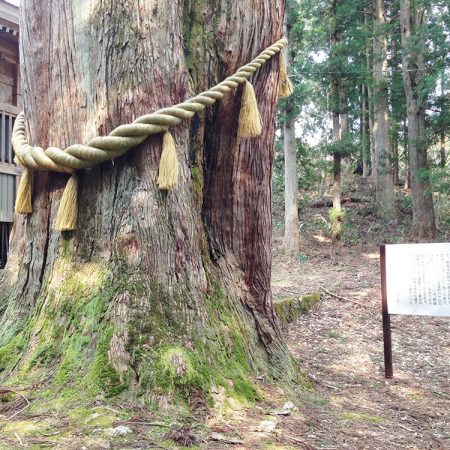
column 418, row 279
column 415, row 280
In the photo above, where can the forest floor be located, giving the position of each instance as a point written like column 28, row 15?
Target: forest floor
column 338, row 345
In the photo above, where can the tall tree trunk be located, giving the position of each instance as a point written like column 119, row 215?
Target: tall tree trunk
column 366, row 133
column 363, row 133
column 411, row 20
column 442, row 150
column 384, row 182
column 291, row 241
column 395, row 162
column 157, row 291
column 336, row 216
column 368, row 20
column 442, row 134
column 406, row 155
column 396, row 115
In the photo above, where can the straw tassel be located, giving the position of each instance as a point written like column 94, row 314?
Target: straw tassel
column 67, row 216
column 249, row 117
column 24, row 193
column 169, row 167
column 286, row 87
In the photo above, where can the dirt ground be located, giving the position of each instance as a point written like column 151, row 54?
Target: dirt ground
column 340, row 346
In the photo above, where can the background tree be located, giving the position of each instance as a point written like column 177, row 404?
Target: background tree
column 336, row 100
column 412, row 21
column 384, row 181
column 291, row 241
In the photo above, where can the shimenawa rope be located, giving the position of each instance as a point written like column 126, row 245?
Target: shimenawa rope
column 124, row 137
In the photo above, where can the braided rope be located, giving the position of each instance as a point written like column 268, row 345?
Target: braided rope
column 124, row 137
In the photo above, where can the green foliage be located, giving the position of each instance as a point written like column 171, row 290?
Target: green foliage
column 319, row 62
column 337, row 215
column 303, row 258
column 346, row 146
column 440, row 180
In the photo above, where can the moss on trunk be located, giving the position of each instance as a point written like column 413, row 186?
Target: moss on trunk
column 159, row 296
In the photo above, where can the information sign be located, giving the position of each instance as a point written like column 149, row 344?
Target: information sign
column 415, row 280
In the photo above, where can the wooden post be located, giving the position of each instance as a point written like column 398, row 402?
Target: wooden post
column 388, row 370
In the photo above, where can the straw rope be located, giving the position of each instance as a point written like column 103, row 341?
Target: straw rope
column 124, row 137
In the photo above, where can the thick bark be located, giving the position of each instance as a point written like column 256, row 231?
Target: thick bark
column 152, row 279
column 384, row 182
column 411, row 21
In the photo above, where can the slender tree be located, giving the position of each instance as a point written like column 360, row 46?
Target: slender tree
column 368, row 21
column 335, row 113
column 396, row 100
column 412, row 20
column 291, row 241
column 365, row 132
column 384, row 182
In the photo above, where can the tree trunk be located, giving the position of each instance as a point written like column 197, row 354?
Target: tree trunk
column 157, row 293
column 395, row 165
column 368, row 20
column 336, row 219
column 363, row 133
column 396, row 111
column 442, row 150
column 366, row 133
column 406, row 155
column 291, row 241
column 442, row 134
column 336, row 226
column 411, row 20
column 384, row 182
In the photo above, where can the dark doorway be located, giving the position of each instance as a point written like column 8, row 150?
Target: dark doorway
column 5, row 230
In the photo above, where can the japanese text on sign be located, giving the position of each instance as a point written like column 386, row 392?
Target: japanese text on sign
column 418, row 279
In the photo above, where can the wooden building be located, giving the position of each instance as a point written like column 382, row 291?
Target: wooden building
column 10, row 106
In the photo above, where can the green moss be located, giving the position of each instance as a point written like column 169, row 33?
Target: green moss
column 176, row 366
column 359, row 417
column 44, row 355
column 197, row 182
column 72, row 358
column 169, row 356
column 22, row 427
column 12, row 351
column 290, row 308
column 73, row 336
column 216, row 357
column 97, row 417
column 102, row 374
